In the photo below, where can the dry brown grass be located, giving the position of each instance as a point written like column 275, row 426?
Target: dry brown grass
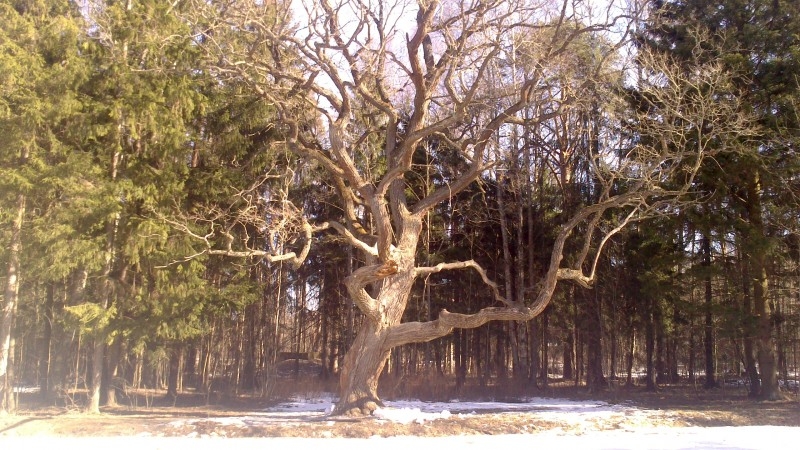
column 678, row 405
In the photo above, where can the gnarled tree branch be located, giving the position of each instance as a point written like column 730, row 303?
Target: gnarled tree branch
column 464, row 265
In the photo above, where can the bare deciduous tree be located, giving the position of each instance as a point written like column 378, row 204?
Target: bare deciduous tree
column 389, row 80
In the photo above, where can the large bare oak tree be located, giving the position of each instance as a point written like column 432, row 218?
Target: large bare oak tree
column 388, row 80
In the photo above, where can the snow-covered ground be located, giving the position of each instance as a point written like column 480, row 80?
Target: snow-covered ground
column 630, row 434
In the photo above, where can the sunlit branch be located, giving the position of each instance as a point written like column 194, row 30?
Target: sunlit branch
column 419, row 271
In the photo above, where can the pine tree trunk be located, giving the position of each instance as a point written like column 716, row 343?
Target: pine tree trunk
column 568, row 367
column 545, row 366
column 595, row 380
column 111, row 372
column 96, row 375
column 672, row 361
column 580, row 367
column 650, row 346
column 672, row 355
column 613, row 352
column 709, row 346
column 570, row 354
column 47, row 336
column 486, row 356
column 519, row 288
column 324, row 339
column 516, row 362
column 691, row 365
column 780, row 345
column 748, row 330
column 504, row 183
column 249, row 380
column 534, row 359
column 105, row 294
column 629, row 359
column 475, row 355
column 661, row 347
column 500, row 362
column 764, row 341
column 750, row 366
column 758, row 257
column 98, row 353
column 10, row 299
column 460, row 341
column 531, row 247
column 174, row 372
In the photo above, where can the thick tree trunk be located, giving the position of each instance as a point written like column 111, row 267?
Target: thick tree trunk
column 764, row 342
column 98, row 355
column 358, row 383
column 110, row 384
column 367, row 356
column 763, row 315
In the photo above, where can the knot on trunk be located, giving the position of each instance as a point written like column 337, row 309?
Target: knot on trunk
column 388, row 268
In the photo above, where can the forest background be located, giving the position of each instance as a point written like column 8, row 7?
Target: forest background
column 175, row 215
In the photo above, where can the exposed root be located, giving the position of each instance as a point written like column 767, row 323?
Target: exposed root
column 360, row 407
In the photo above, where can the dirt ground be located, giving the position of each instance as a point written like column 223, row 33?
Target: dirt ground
column 670, row 406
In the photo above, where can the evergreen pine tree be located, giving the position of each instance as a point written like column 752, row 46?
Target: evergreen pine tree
column 40, row 69
column 758, row 41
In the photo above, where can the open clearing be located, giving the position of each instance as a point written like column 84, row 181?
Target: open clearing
column 620, row 409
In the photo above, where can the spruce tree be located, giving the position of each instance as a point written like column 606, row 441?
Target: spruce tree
column 40, row 69
column 758, row 41
column 145, row 93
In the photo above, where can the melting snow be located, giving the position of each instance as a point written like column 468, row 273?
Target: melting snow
column 571, row 412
